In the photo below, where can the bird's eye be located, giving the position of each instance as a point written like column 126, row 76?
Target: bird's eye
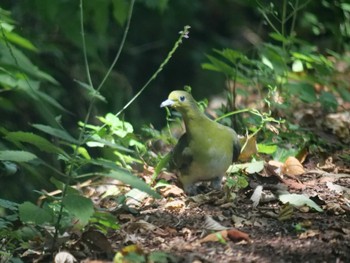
column 182, row 98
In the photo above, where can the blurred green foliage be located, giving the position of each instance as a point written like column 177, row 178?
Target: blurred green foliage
column 275, row 51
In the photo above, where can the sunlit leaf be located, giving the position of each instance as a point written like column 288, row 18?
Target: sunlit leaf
column 297, row 66
column 299, row 200
column 267, row 149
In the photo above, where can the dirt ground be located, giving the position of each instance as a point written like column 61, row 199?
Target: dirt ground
column 180, row 228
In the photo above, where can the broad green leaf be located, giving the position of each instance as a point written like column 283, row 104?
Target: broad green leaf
column 23, row 63
column 62, row 134
column 119, row 127
column 36, row 140
column 79, row 206
column 255, row 167
column 328, row 101
column 268, row 149
column 31, row 213
column 304, row 91
column 128, row 178
column 17, row 156
column 298, row 200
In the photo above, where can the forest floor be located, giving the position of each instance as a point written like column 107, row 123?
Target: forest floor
column 175, row 228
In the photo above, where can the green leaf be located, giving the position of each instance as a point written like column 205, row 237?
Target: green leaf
column 119, row 127
column 120, row 11
column 278, row 37
column 17, row 156
column 62, row 134
column 8, row 204
column 304, row 91
column 22, row 63
column 344, row 93
column 20, row 41
column 255, row 167
column 60, row 185
column 105, row 219
column 266, row 62
column 128, row 178
column 297, row 66
column 79, row 206
column 345, row 7
column 218, row 65
column 282, row 153
column 91, row 91
column 31, row 213
column 36, row 140
column 298, row 200
column 328, row 101
column 267, row 149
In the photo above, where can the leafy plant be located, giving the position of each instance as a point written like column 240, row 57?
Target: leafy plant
column 74, row 154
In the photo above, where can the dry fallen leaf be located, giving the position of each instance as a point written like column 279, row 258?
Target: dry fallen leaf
column 292, row 167
column 236, row 235
column 175, row 205
column 171, row 190
column 211, row 224
column 309, row 233
column 64, row 257
column 274, row 168
column 228, row 234
column 256, row 196
column 249, row 149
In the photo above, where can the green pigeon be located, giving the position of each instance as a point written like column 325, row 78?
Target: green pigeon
column 207, row 148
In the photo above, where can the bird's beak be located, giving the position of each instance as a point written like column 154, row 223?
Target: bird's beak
column 167, row 103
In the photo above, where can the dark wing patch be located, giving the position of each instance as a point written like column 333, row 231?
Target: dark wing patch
column 182, row 155
column 236, row 149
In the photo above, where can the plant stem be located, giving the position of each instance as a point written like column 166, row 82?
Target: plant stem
column 87, row 117
column 184, row 34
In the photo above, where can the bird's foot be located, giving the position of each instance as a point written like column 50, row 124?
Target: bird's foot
column 191, row 190
column 216, row 183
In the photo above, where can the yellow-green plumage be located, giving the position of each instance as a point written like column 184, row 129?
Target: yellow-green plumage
column 207, row 148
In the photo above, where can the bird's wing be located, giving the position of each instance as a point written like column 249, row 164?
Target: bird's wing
column 236, row 148
column 182, row 155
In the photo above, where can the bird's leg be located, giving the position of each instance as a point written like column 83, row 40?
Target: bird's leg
column 216, row 183
column 191, row 189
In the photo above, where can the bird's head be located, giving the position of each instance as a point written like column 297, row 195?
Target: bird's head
column 180, row 100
